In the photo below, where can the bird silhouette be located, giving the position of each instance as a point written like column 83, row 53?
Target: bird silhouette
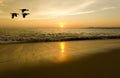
column 23, row 10
column 25, row 14
column 14, row 15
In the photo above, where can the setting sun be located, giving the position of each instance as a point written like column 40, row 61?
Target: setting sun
column 62, row 25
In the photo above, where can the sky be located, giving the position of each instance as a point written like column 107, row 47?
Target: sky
column 64, row 13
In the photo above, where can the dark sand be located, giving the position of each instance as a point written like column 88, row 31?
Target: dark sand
column 104, row 62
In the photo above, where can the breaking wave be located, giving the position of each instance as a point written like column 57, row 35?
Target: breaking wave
column 45, row 35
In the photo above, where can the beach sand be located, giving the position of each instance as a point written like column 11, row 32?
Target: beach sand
column 72, row 59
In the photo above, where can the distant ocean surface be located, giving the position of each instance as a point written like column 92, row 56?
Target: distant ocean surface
column 15, row 35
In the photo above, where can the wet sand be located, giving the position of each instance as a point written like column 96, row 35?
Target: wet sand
column 73, row 59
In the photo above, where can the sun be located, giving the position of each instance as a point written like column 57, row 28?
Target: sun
column 62, row 25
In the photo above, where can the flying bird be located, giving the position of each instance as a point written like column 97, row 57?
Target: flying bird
column 23, row 10
column 25, row 14
column 14, row 15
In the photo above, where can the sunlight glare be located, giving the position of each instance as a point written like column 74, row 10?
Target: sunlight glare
column 62, row 25
column 62, row 57
column 62, row 47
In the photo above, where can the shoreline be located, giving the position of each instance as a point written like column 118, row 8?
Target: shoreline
column 89, row 59
column 59, row 40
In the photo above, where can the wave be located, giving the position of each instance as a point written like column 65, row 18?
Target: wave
column 52, row 37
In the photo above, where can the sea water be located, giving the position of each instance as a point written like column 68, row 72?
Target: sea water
column 10, row 35
column 63, row 59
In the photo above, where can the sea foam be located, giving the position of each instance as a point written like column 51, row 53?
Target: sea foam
column 48, row 35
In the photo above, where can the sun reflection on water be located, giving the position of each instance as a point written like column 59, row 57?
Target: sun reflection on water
column 62, row 57
column 62, row 46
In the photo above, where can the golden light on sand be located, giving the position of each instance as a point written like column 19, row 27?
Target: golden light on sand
column 62, row 57
column 62, row 46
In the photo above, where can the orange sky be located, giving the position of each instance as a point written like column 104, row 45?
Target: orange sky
column 72, row 13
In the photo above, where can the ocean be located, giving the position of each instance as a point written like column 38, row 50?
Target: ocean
column 15, row 35
column 73, row 53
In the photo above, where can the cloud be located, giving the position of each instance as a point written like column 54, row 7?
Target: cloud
column 5, row 2
column 82, row 12
column 53, row 16
column 81, row 6
column 108, row 8
column 1, row 11
column 2, row 3
column 72, row 10
column 76, row 9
